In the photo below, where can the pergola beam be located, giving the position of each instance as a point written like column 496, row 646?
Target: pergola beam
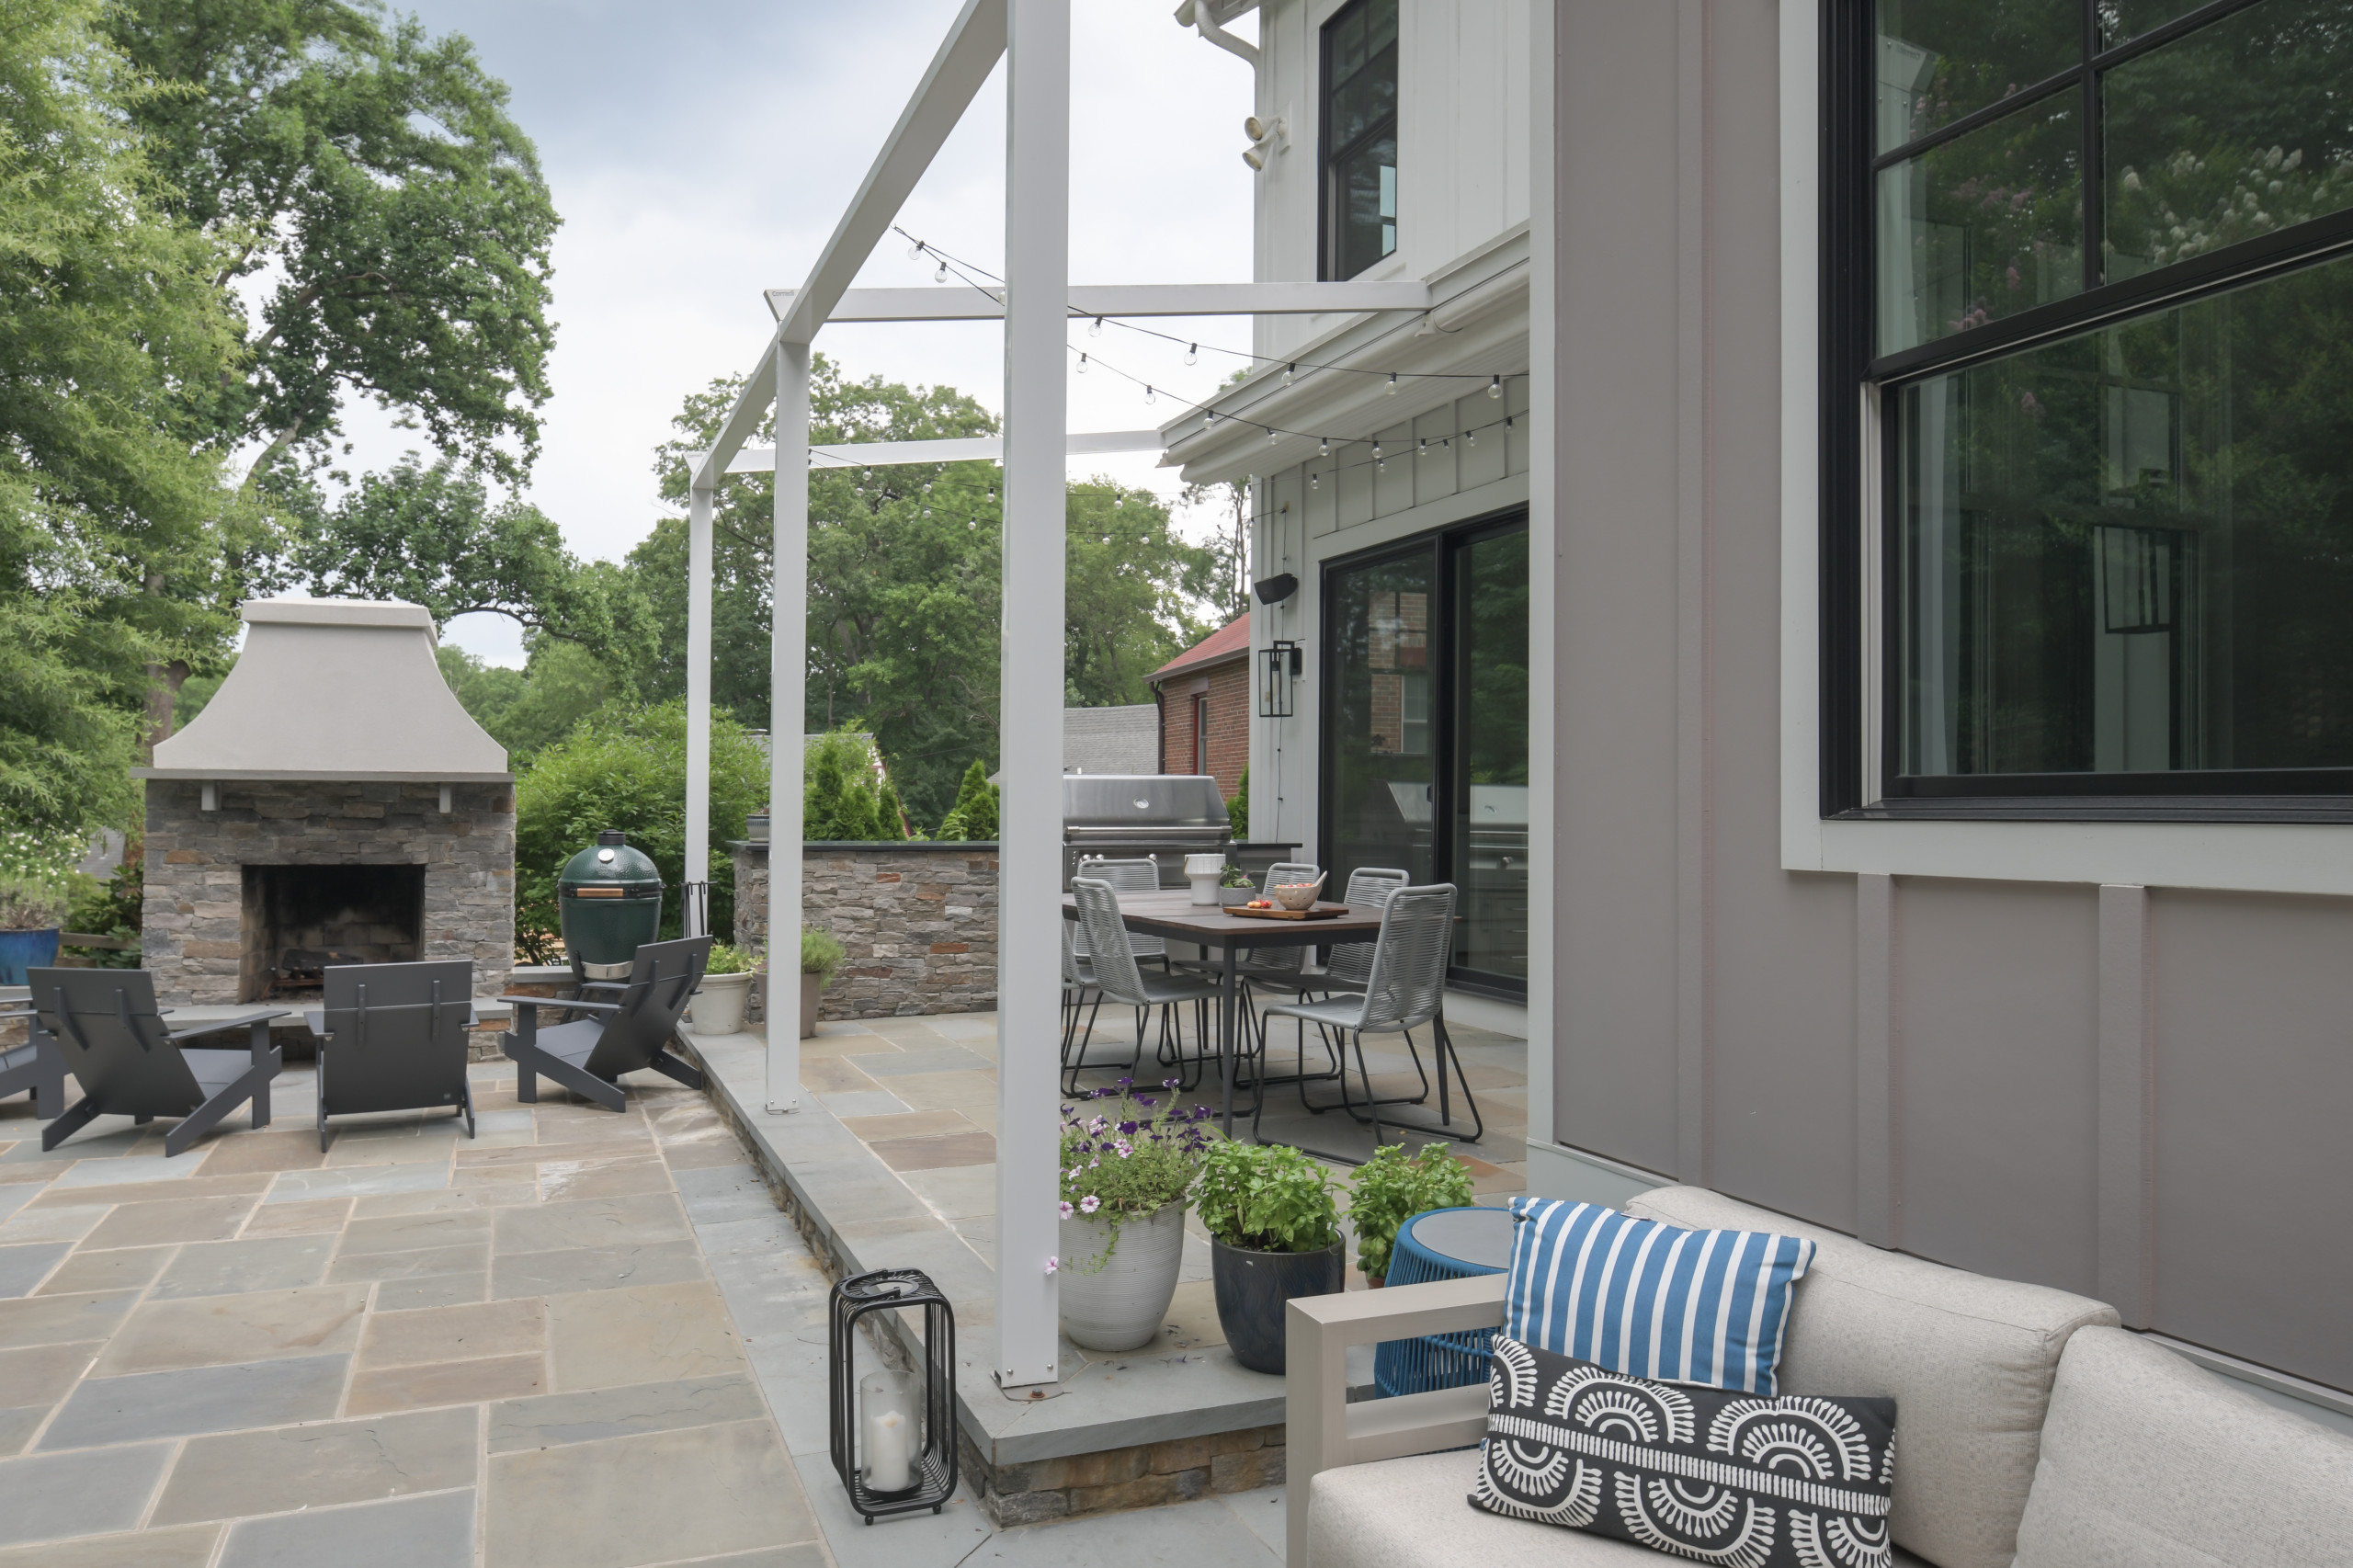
column 1124, row 300
column 953, row 450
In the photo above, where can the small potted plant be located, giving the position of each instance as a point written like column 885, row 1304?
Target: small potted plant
column 1235, row 887
column 1126, row 1161
column 31, row 914
column 1274, row 1234
column 726, row 986
column 821, row 954
column 1390, row 1188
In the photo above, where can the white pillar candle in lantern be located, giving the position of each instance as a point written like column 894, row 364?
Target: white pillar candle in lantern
column 888, row 1433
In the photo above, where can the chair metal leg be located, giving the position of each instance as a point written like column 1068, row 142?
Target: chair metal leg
column 1442, row 1048
column 82, row 1112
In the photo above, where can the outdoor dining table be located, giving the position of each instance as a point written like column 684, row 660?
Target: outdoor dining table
column 1173, row 913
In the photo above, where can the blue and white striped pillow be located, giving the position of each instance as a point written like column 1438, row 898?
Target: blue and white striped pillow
column 1653, row 1301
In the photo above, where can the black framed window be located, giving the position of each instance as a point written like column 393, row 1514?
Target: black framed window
column 1359, row 142
column 1424, row 731
column 2091, row 262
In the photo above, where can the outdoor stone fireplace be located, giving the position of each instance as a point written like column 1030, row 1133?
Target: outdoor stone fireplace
column 331, row 804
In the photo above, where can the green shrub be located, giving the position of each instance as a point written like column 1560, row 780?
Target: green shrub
column 627, row 770
column 111, row 908
column 30, row 905
column 973, row 816
column 1392, row 1187
column 1266, row 1198
column 821, row 953
column 725, row 959
column 1237, row 810
column 843, row 802
column 1127, row 1156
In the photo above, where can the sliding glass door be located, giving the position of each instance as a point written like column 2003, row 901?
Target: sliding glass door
column 1425, row 734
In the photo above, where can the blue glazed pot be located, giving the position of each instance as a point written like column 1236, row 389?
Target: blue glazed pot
column 1254, row 1288
column 21, row 950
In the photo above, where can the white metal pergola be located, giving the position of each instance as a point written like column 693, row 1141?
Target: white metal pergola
column 1037, row 301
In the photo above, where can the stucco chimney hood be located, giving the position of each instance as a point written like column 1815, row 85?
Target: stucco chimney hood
column 341, row 689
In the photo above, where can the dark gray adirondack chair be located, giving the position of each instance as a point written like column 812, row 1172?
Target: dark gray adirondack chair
column 392, row 1037
column 33, row 1067
column 129, row 1063
column 633, row 1031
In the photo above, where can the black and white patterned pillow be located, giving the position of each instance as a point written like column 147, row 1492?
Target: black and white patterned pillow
column 1718, row 1476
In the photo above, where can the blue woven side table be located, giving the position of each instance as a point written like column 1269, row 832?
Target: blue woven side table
column 1442, row 1244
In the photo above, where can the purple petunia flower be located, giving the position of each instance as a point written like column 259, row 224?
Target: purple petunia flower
column 1089, row 1204
column 1066, row 1211
column 1054, row 1264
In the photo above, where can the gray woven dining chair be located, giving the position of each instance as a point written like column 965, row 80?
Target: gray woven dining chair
column 1404, row 989
column 1078, row 979
column 1141, row 875
column 1351, row 962
column 1282, row 971
column 1120, row 979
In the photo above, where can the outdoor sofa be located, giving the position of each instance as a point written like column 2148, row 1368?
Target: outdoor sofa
column 2031, row 1428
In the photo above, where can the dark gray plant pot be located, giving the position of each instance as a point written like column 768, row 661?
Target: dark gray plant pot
column 1252, row 1288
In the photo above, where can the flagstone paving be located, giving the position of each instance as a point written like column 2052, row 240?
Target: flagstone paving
column 579, row 1339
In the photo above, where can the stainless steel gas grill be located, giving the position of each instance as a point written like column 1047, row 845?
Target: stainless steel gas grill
column 1124, row 816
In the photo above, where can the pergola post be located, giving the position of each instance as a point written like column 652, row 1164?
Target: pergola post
column 698, row 866
column 787, row 682
column 1030, row 826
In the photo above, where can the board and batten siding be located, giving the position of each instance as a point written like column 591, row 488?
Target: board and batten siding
column 2137, row 1091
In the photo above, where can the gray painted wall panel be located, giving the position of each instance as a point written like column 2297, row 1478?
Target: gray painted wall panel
column 1996, row 1071
column 2254, row 1070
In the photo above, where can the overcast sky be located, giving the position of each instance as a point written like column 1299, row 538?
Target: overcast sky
column 701, row 151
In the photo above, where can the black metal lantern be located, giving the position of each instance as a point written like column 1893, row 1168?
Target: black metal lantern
column 1278, row 666
column 886, row 1462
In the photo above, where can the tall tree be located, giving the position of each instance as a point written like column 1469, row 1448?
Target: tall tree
column 372, row 173
column 113, row 347
column 1228, row 545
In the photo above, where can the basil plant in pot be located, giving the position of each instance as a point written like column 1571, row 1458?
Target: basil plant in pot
column 1392, row 1187
column 1274, row 1234
column 1127, row 1160
column 726, row 986
column 821, row 954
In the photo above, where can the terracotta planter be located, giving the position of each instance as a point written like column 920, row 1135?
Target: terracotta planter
column 1121, row 1305
column 1255, row 1287
column 718, row 1006
column 812, row 991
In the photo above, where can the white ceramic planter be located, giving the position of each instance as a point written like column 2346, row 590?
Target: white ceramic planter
column 719, row 1005
column 1123, row 1305
column 1203, row 871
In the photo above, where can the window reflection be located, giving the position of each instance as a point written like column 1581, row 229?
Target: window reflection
column 1939, row 60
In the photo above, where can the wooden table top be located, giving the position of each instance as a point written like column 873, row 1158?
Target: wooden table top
column 1171, row 911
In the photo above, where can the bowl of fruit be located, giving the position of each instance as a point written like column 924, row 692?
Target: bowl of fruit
column 1296, row 895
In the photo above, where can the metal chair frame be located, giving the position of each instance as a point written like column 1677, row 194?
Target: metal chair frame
column 1118, row 978
column 129, row 1063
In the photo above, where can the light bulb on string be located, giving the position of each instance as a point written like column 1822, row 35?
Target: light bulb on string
column 1097, row 330
column 1391, row 390
column 1376, row 451
column 1208, row 419
column 940, row 275
column 914, row 250
column 1270, row 436
column 1119, row 504
column 1082, row 364
column 1506, row 421
column 926, row 487
column 1470, row 438
column 866, row 477
column 1380, row 465
column 1192, row 354
column 1494, row 386
column 1424, row 450
column 1288, row 372
column 1322, row 447
column 1315, row 481
column 1150, row 395
column 926, row 511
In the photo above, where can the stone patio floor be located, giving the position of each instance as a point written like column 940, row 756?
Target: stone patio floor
column 581, row 1339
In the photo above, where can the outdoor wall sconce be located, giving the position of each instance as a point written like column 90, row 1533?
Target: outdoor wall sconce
column 1275, row 590
column 1278, row 666
column 208, row 796
column 447, row 798
column 894, row 1447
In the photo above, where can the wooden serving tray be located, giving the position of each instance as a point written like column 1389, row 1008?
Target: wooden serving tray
column 1314, row 912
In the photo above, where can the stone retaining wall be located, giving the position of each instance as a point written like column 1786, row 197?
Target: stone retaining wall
column 919, row 922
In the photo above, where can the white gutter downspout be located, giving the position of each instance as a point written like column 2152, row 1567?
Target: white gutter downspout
column 1195, row 14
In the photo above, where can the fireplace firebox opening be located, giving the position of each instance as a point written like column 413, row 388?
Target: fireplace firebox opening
column 301, row 919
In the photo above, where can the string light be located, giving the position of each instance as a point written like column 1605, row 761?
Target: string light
column 1271, row 436
column 1150, row 395
column 1193, row 354
column 1391, row 390
column 1470, row 438
column 1322, row 447
column 926, row 511
column 1097, row 330
column 940, row 275
column 1290, row 370
column 1424, row 450
column 1082, row 364
column 1376, row 451
column 1494, row 384
column 914, row 251
column 1314, row 481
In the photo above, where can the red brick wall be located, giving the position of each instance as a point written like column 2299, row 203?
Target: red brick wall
column 1229, row 716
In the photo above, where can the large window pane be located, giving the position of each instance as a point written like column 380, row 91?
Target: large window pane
column 1490, row 848
column 1939, row 60
column 2123, row 21
column 2132, row 550
column 1382, row 784
column 1981, row 227
column 2239, row 129
column 1367, row 215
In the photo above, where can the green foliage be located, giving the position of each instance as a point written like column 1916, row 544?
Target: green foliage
column 1237, row 810
column 726, row 959
column 1234, row 876
column 368, row 171
column 1392, row 1187
column 1127, row 1156
column 113, row 509
column 111, row 908
column 1130, row 588
column 1266, row 1198
column 528, row 710
column 821, row 953
column 627, row 770
column 973, row 815
column 844, row 801
column 28, row 906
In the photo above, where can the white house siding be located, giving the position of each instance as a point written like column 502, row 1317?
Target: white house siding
column 1462, row 141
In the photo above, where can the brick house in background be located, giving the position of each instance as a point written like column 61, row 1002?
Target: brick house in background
column 1204, row 697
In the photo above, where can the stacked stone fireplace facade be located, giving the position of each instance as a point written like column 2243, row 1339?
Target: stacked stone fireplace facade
column 216, row 918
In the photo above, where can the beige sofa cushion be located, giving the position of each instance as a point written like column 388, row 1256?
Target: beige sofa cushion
column 1969, row 1361
column 1416, row 1513
column 2151, row 1462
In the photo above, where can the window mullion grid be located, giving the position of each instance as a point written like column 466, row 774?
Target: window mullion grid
column 2091, row 183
